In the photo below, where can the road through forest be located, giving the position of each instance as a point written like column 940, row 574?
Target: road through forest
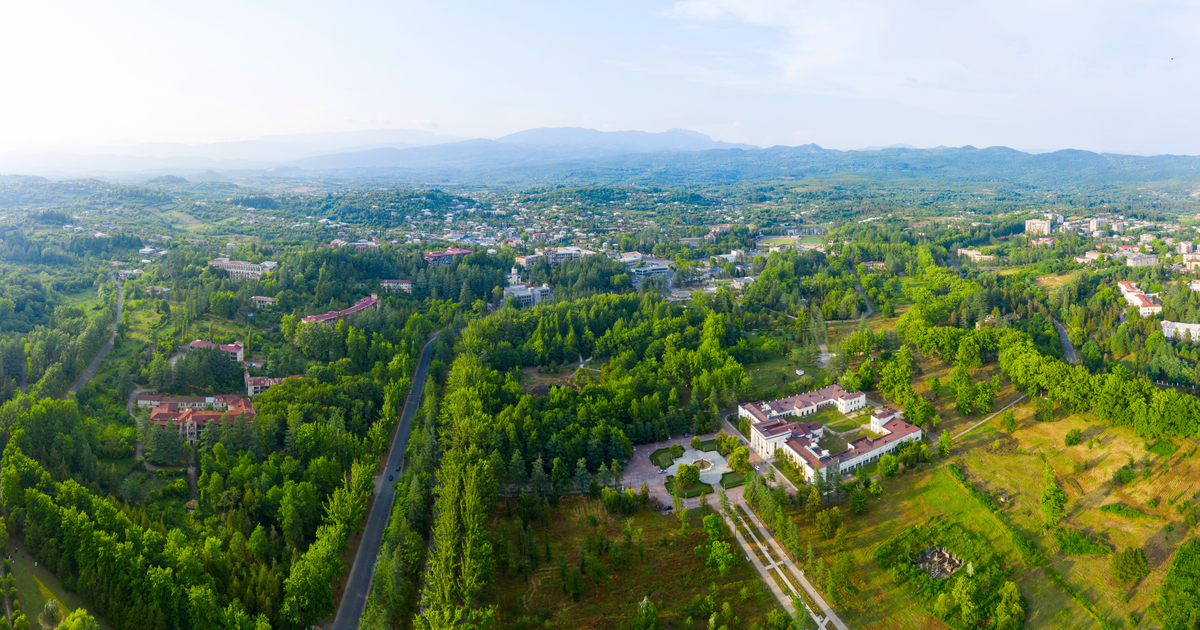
column 358, row 586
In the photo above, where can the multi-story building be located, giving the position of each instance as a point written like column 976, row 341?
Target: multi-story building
column 233, row 350
column 974, row 255
column 1184, row 247
column 800, row 405
column 799, row 442
column 528, row 296
column 1145, row 304
column 1141, row 260
column 392, row 286
column 1095, row 225
column 446, row 257
column 1038, row 226
column 242, row 270
column 1191, row 261
column 558, row 255
column 529, row 260
column 331, row 318
column 1179, row 330
column 262, row 301
column 256, row 385
column 1043, row 242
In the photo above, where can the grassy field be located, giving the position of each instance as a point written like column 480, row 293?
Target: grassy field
column 670, row 574
column 36, row 585
column 913, row 498
column 1166, row 483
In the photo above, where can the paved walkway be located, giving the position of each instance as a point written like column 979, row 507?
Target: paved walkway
column 785, row 599
column 797, row 573
column 980, row 423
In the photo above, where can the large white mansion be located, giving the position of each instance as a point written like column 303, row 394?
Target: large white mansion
column 773, row 433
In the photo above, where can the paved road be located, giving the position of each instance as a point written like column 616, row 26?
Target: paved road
column 870, row 309
column 91, row 371
column 1068, row 349
column 354, row 600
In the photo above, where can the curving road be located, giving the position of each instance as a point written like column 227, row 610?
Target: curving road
column 1068, row 349
column 354, row 600
column 91, row 370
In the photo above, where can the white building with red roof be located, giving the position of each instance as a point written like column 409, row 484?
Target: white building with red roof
column 1145, row 304
column 773, row 434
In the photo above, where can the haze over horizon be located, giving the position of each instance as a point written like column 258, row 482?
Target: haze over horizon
column 1113, row 77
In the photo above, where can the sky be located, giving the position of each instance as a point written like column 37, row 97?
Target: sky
column 1033, row 75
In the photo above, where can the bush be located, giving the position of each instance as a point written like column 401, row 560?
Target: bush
column 1122, row 510
column 1124, row 475
column 677, row 450
column 1073, row 542
column 1073, row 437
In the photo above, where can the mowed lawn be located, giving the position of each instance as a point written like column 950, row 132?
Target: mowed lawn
column 671, row 574
column 1015, row 466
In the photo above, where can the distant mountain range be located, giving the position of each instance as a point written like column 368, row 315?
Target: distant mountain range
column 551, row 156
column 394, row 148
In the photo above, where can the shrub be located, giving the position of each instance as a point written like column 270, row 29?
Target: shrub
column 1122, row 510
column 1124, row 475
column 676, row 450
column 1073, row 542
column 1073, row 437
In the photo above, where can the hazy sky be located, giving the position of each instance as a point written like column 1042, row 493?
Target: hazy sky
column 844, row 74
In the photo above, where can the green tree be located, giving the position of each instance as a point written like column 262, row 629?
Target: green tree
column 888, row 465
column 1129, row 565
column 646, row 617
column 814, row 504
column 1010, row 612
column 1054, row 500
column 1008, row 421
column 686, row 476
column 560, row 474
column 858, row 500
column 739, row 459
column 720, row 556
column 945, row 443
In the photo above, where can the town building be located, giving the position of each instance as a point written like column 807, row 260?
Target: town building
column 1145, row 304
column 1184, row 247
column 1095, row 225
column 1141, row 260
column 529, row 296
column 243, row 270
column 799, row 442
column 558, row 255
column 262, row 301
column 446, row 257
column 800, row 405
column 1043, row 242
column 1038, row 226
column 1179, row 330
column 974, row 255
column 235, row 351
column 332, row 317
column 1191, row 261
column 157, row 291
column 359, row 244
column 393, row 286
column 256, row 385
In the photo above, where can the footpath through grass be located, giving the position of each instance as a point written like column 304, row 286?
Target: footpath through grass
column 36, row 585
